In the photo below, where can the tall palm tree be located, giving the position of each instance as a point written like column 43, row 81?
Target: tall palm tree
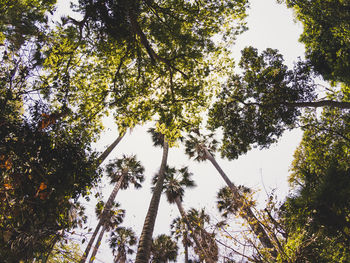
column 145, row 243
column 111, row 219
column 163, row 249
column 122, row 240
column 179, row 229
column 174, row 188
column 201, row 149
column 123, row 172
column 198, row 219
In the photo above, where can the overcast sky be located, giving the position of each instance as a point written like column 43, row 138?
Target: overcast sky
column 270, row 25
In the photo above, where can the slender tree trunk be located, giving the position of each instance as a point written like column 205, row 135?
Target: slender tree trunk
column 102, row 218
column 89, row 245
column 120, row 258
column 185, row 247
column 248, row 214
column 321, row 103
column 97, row 244
column 198, row 244
column 110, row 148
column 145, row 243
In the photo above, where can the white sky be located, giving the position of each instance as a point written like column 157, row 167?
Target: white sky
column 270, row 25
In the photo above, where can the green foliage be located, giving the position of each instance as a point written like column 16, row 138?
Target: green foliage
column 65, row 252
column 195, row 145
column 175, row 182
column 254, row 108
column 127, row 167
column 316, row 217
column 45, row 166
column 159, row 63
column 163, row 249
column 22, row 19
column 226, row 203
column 122, row 240
column 326, row 36
column 111, row 216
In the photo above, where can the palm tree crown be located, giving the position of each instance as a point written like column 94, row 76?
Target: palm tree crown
column 175, row 182
column 225, row 204
column 122, row 240
column 196, row 144
column 127, row 167
column 112, row 216
column 163, row 249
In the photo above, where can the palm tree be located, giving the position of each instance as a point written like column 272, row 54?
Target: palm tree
column 202, row 150
column 111, row 219
column 175, row 182
column 225, row 196
column 145, row 243
column 110, row 148
column 122, row 172
column 100, row 160
column 122, row 239
column 198, row 219
column 163, row 249
column 179, row 229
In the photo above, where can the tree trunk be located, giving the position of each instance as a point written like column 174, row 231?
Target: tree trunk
column 110, row 148
column 102, row 218
column 185, row 247
column 198, row 244
column 100, row 159
column 97, row 245
column 321, row 103
column 145, row 243
column 248, row 214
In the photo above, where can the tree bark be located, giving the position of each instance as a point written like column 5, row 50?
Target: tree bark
column 321, row 103
column 102, row 218
column 186, row 247
column 89, row 245
column 248, row 214
column 97, row 244
column 145, row 243
column 198, row 244
column 110, row 148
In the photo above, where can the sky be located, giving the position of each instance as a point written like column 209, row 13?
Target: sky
column 270, row 25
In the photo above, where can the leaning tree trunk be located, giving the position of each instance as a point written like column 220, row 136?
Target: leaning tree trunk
column 248, row 214
column 185, row 243
column 110, row 148
column 102, row 218
column 145, row 243
column 97, row 244
column 185, row 218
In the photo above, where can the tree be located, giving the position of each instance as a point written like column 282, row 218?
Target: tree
column 254, row 108
column 163, row 250
column 316, row 214
column 225, row 197
column 65, row 253
column 145, row 242
column 326, row 30
column 45, row 168
column 198, row 219
column 22, row 20
column 174, row 184
column 123, row 172
column 111, row 219
column 121, row 241
column 179, row 229
column 196, row 147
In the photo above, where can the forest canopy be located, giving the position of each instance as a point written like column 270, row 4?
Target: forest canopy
column 168, row 64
